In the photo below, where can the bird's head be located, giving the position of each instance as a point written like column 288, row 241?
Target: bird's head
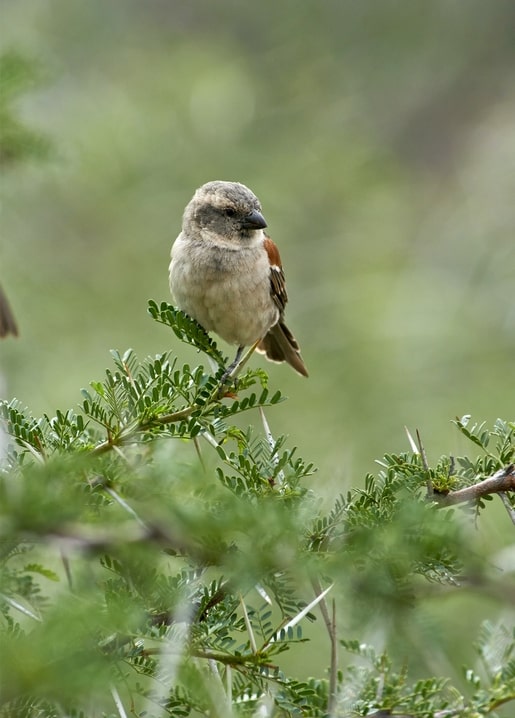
column 227, row 210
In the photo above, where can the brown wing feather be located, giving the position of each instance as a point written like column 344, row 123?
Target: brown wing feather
column 277, row 280
column 279, row 344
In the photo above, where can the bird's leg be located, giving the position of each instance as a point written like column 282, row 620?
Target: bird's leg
column 237, row 365
column 230, row 369
column 229, row 373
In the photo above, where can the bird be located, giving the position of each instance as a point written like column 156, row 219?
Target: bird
column 7, row 320
column 226, row 273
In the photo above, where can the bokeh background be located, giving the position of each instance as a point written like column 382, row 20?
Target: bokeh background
column 380, row 138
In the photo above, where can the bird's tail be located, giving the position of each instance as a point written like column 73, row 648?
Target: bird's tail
column 280, row 345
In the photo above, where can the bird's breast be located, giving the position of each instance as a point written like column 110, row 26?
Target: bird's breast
column 227, row 292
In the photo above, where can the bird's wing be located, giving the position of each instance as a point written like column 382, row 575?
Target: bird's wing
column 277, row 281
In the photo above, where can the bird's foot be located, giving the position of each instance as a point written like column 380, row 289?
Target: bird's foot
column 229, row 377
column 229, row 381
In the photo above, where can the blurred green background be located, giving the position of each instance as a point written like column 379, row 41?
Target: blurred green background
column 380, row 140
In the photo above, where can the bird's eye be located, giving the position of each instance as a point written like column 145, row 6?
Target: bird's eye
column 230, row 212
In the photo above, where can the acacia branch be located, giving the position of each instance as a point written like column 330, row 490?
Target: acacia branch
column 499, row 483
column 127, row 435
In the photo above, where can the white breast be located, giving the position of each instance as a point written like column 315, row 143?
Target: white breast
column 226, row 291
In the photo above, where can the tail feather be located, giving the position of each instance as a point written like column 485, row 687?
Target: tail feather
column 280, row 345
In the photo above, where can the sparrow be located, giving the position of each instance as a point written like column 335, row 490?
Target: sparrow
column 226, row 273
column 7, row 321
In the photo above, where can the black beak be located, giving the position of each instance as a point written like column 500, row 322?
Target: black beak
column 254, row 220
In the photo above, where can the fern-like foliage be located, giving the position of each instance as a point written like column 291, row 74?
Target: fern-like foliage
column 158, row 559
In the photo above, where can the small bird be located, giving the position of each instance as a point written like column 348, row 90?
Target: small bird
column 7, row 320
column 226, row 273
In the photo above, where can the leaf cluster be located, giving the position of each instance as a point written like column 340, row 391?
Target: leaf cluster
column 130, row 576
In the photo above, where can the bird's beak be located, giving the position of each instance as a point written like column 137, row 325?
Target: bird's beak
column 254, row 220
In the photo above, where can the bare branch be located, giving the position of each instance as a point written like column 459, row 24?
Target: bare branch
column 500, row 482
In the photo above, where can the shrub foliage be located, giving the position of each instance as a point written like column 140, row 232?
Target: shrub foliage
column 157, row 559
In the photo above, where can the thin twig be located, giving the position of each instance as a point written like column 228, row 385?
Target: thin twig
column 228, row 682
column 330, row 623
column 248, row 625
column 172, row 418
column 175, row 416
column 334, row 662
column 225, row 658
column 507, row 505
column 125, row 506
column 199, row 453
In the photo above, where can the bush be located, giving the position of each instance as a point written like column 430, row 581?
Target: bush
column 134, row 583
